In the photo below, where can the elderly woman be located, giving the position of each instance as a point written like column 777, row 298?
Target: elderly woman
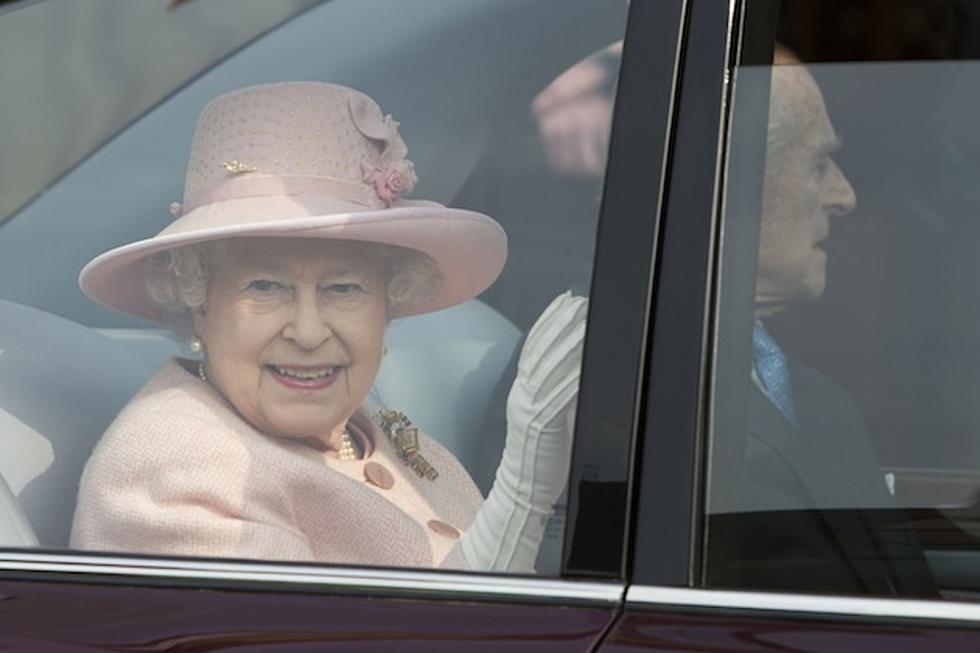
column 289, row 255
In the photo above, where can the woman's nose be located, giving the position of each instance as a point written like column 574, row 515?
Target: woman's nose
column 307, row 326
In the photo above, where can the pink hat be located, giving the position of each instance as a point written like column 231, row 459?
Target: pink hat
column 306, row 159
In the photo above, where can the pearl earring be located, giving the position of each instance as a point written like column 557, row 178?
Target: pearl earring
column 195, row 345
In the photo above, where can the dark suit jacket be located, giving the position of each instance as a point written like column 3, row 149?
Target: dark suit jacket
column 811, row 510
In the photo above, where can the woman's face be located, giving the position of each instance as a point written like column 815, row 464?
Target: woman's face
column 293, row 331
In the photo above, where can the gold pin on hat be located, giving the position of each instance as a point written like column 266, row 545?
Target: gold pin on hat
column 237, row 167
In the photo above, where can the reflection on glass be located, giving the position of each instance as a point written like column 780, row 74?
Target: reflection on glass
column 799, row 499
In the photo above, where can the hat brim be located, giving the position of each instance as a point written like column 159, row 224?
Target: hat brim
column 468, row 248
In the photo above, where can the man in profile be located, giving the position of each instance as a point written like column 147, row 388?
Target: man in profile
column 792, row 405
column 803, row 189
column 808, row 500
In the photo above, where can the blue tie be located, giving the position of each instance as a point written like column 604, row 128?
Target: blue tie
column 770, row 366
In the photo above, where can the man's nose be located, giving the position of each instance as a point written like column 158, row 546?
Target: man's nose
column 840, row 198
column 307, row 326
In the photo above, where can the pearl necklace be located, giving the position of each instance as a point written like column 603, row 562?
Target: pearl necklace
column 347, row 451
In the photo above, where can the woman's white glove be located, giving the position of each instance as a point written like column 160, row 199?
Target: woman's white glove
column 507, row 531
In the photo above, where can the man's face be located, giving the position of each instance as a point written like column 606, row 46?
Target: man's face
column 803, row 188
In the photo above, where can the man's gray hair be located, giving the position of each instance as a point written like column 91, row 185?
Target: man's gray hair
column 785, row 65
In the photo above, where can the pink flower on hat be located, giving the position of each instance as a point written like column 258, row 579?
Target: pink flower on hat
column 392, row 180
column 393, row 175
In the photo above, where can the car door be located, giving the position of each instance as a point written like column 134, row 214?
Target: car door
column 808, row 464
column 510, row 105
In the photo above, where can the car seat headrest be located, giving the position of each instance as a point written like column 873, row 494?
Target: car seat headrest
column 61, row 384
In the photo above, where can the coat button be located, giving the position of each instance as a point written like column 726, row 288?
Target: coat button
column 443, row 528
column 379, row 476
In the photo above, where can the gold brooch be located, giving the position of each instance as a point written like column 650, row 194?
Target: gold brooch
column 405, row 438
column 237, row 167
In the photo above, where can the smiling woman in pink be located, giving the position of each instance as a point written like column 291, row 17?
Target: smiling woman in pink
column 292, row 250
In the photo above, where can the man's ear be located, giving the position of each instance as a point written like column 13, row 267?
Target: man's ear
column 198, row 322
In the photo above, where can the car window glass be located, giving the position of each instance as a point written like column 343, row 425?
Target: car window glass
column 843, row 447
column 328, row 392
column 105, row 63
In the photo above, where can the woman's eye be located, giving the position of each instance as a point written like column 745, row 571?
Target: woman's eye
column 343, row 288
column 263, row 285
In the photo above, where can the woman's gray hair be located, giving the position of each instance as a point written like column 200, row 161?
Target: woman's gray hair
column 177, row 280
column 411, row 278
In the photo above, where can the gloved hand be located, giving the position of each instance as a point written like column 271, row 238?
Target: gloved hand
column 507, row 531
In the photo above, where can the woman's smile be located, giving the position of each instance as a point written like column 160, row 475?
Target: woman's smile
column 305, row 378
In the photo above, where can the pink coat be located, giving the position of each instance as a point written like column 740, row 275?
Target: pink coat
column 180, row 473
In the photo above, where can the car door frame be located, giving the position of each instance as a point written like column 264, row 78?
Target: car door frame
column 666, row 603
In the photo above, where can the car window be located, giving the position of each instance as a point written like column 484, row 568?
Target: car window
column 253, row 386
column 122, row 60
column 843, row 430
